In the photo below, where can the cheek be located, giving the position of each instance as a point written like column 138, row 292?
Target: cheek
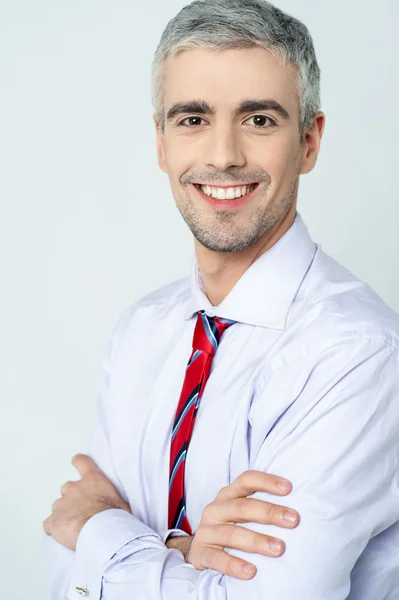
column 282, row 162
column 173, row 153
column 282, row 153
column 179, row 160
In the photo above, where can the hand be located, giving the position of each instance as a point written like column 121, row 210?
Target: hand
column 80, row 501
column 217, row 529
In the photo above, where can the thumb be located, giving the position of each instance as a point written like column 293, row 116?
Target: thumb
column 84, row 464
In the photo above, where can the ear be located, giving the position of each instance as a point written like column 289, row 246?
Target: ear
column 160, row 145
column 311, row 145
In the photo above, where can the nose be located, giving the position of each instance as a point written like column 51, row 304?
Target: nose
column 223, row 149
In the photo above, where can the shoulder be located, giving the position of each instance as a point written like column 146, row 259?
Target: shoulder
column 166, row 296
column 338, row 307
column 156, row 304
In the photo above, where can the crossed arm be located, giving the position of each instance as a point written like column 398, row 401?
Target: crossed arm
column 342, row 460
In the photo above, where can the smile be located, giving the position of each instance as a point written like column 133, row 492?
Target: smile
column 229, row 198
column 226, row 193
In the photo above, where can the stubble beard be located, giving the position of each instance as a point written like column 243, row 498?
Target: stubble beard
column 224, row 234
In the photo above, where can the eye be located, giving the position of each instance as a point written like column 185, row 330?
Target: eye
column 192, row 118
column 194, row 121
column 262, row 118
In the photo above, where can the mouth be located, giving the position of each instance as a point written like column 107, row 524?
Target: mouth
column 226, row 198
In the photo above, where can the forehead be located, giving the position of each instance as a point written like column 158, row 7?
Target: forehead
column 224, row 77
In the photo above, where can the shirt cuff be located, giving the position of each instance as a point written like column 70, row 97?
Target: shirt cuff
column 173, row 533
column 105, row 533
column 99, row 540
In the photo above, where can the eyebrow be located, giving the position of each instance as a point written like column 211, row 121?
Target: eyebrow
column 250, row 105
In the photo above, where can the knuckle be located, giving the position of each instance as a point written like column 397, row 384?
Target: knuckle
column 271, row 512
column 274, row 512
column 67, row 486
column 245, row 478
column 244, row 508
column 247, row 540
column 230, row 535
column 55, row 505
column 199, row 537
column 47, row 525
column 249, row 480
column 256, row 541
column 208, row 512
column 222, row 492
column 267, row 511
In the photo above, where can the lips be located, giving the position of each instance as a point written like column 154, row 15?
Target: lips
column 227, row 204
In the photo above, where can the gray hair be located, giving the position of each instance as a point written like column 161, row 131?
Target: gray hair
column 224, row 24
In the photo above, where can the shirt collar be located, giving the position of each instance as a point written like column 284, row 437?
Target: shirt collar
column 265, row 292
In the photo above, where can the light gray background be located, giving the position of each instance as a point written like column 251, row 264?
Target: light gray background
column 88, row 223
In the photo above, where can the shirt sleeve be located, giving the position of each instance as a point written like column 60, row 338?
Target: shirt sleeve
column 337, row 442
column 62, row 561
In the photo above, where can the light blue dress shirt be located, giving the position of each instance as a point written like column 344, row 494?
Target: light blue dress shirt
column 305, row 385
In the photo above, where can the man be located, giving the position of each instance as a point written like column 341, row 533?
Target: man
column 270, row 361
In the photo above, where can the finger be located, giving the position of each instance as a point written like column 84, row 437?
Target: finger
column 84, row 464
column 66, row 487
column 240, row 538
column 247, row 510
column 46, row 525
column 219, row 560
column 54, row 505
column 255, row 481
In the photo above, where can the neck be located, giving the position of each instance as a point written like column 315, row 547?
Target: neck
column 220, row 271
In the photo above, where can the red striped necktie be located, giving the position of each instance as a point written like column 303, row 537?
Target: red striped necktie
column 207, row 334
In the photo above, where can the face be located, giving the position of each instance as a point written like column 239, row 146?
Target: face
column 232, row 121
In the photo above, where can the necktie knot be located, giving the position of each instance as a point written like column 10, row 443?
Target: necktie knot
column 208, row 331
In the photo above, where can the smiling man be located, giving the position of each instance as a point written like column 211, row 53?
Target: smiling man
column 233, row 162
column 270, row 357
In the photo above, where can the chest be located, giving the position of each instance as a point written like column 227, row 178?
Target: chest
column 144, row 391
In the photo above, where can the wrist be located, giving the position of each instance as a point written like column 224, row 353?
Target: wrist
column 182, row 543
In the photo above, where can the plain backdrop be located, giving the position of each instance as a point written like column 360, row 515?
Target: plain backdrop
column 88, row 223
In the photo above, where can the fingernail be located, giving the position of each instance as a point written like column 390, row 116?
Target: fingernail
column 284, row 485
column 275, row 545
column 248, row 569
column 290, row 515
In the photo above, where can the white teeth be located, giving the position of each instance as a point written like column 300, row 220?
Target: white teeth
column 229, row 193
